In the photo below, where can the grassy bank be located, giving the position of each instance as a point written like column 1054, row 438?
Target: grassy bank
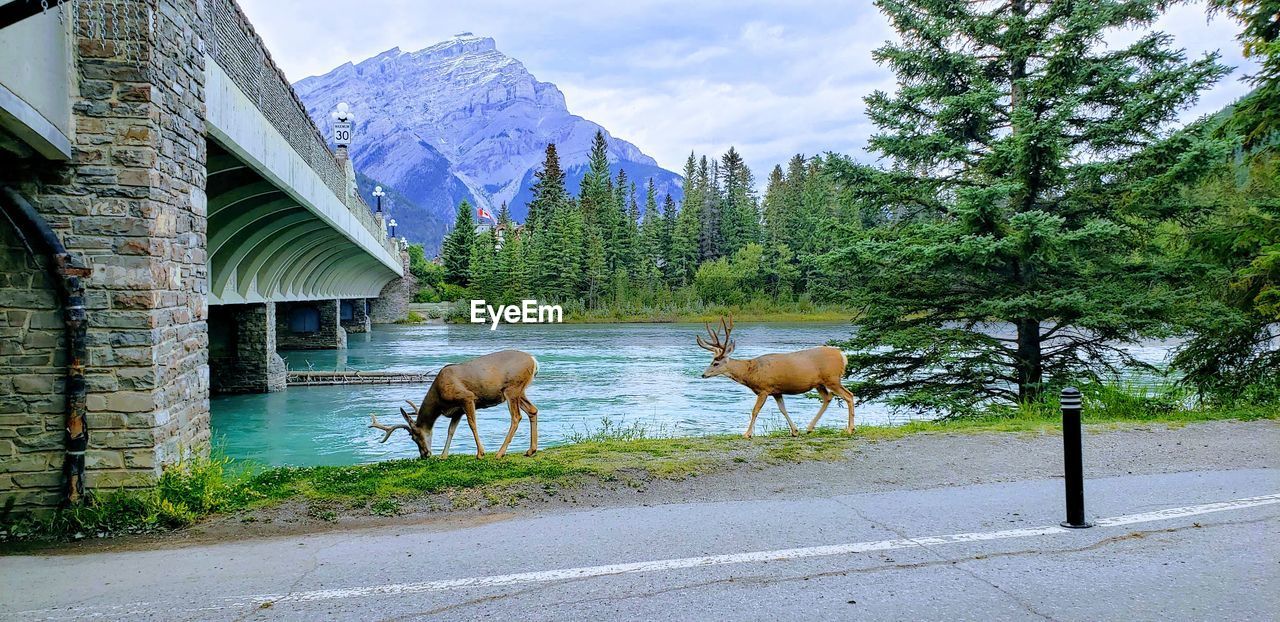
column 196, row 489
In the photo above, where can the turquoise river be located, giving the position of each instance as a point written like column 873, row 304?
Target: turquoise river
column 644, row 375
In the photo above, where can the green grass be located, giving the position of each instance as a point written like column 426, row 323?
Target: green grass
column 629, row 453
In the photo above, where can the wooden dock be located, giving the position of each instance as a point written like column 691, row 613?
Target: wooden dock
column 326, row 378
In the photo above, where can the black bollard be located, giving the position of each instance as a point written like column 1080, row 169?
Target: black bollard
column 1073, row 460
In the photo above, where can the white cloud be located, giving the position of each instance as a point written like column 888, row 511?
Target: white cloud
column 670, row 76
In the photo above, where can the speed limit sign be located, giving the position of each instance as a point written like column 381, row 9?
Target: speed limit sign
column 342, row 132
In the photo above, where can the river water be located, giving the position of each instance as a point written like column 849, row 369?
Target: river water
column 635, row 374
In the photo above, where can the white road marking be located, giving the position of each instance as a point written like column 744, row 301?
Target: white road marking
column 566, row 574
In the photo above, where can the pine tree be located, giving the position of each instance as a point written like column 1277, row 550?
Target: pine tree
column 504, row 215
column 686, row 238
column 777, row 219
column 710, row 235
column 548, row 192
column 456, row 251
column 595, row 270
column 652, row 233
column 740, row 215
column 670, row 261
column 594, row 195
column 617, row 243
column 1010, row 136
column 559, row 268
column 631, row 236
column 486, row 281
column 512, row 269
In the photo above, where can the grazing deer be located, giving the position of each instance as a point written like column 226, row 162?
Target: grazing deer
column 461, row 388
column 792, row 373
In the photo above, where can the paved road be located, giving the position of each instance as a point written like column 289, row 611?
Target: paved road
column 980, row 552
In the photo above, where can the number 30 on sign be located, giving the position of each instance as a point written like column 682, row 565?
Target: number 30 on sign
column 342, row 132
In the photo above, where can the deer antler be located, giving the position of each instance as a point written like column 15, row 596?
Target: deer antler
column 388, row 428
column 415, row 406
column 715, row 345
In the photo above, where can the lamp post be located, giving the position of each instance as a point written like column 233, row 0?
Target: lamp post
column 392, row 224
column 377, row 195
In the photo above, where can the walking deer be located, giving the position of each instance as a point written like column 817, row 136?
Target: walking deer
column 776, row 375
column 462, row 388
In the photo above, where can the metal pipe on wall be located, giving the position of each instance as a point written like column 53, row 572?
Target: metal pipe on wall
column 68, row 272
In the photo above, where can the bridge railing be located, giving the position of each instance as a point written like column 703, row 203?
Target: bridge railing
column 240, row 52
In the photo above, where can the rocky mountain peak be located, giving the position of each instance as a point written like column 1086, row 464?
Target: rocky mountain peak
column 462, row 115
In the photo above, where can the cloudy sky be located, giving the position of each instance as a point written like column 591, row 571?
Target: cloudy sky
column 772, row 78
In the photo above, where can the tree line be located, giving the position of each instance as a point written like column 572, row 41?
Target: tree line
column 1036, row 211
column 618, row 242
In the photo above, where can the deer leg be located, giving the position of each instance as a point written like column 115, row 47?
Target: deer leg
column 755, row 411
column 783, row 407
column 453, row 425
column 515, row 421
column 532, row 411
column 847, row 396
column 470, row 407
column 826, row 399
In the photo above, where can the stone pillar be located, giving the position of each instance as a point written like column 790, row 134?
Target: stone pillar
column 242, row 349
column 392, row 304
column 131, row 204
column 309, row 325
column 355, row 315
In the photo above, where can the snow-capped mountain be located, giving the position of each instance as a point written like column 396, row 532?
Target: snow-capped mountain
column 461, row 120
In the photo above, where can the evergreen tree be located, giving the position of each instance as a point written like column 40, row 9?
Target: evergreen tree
column 617, row 243
column 456, row 251
column 652, row 233
column 559, row 269
column 777, row 225
column 504, row 215
column 686, row 237
column 1257, row 115
column 670, row 263
column 548, row 192
column 486, row 282
column 631, row 236
column 595, row 268
column 595, row 195
column 740, row 224
column 1010, row 136
column 512, row 268
column 710, row 240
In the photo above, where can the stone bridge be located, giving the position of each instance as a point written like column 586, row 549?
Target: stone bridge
column 153, row 156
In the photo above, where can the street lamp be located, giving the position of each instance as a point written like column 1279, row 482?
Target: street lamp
column 392, row 224
column 378, row 194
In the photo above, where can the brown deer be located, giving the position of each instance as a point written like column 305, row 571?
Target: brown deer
column 461, row 388
column 792, row 373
